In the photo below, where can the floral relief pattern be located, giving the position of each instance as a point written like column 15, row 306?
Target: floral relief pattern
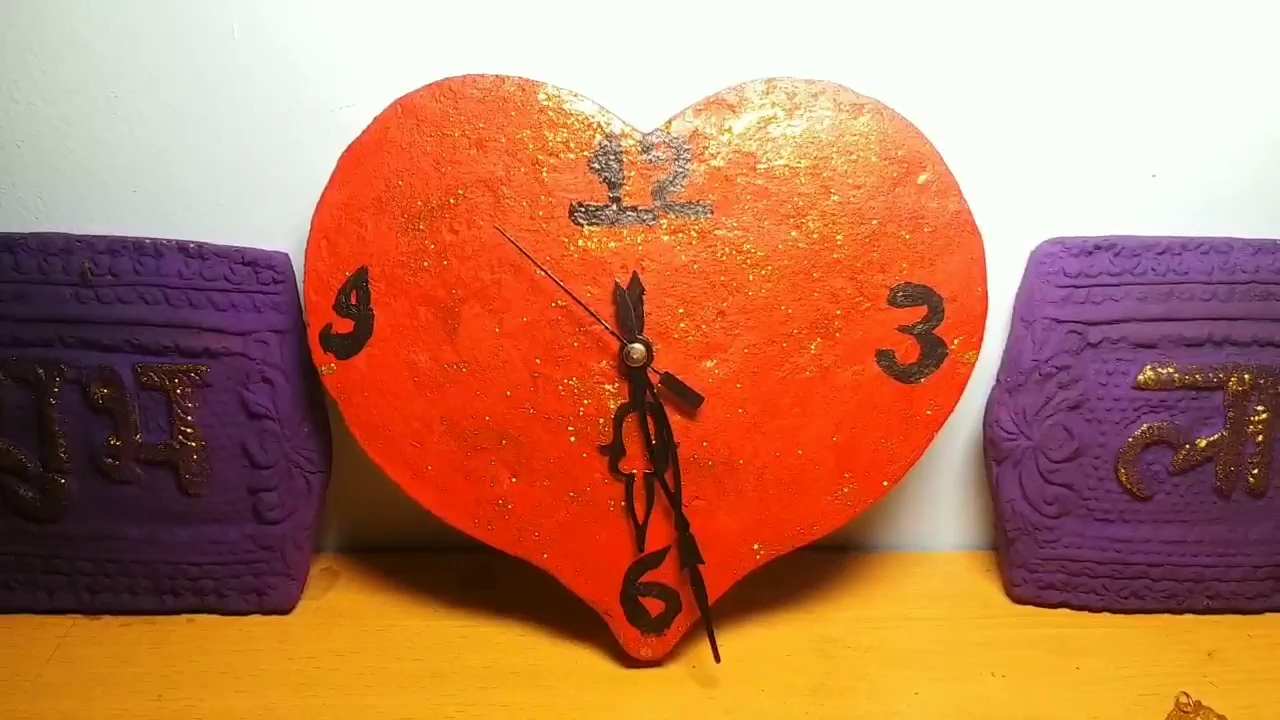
column 1031, row 437
column 269, row 444
column 1090, row 314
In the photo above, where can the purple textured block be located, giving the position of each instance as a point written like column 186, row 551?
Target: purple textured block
column 163, row 447
column 1130, row 437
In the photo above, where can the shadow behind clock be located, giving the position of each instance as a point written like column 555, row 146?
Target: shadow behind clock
column 369, row 515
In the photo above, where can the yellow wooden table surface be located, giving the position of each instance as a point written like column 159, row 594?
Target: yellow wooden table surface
column 474, row 635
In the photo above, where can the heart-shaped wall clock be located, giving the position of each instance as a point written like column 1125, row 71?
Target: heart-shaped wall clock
column 647, row 363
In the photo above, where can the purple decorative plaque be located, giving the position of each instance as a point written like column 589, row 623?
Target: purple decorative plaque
column 162, row 444
column 1130, row 437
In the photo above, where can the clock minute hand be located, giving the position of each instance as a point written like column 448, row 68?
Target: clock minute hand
column 687, row 550
column 662, row 450
column 666, row 381
column 660, row 447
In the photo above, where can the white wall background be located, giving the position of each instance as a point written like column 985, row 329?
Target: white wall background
column 221, row 121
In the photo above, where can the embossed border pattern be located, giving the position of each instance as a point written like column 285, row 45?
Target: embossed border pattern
column 1090, row 314
column 244, row 543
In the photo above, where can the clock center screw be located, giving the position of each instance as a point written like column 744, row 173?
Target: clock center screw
column 635, row 354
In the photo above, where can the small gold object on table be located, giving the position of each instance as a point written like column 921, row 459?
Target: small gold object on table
column 1187, row 708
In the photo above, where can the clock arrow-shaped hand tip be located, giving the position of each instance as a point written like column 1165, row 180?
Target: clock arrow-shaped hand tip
column 627, row 322
column 635, row 291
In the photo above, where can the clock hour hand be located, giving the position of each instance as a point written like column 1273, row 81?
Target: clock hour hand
column 629, row 303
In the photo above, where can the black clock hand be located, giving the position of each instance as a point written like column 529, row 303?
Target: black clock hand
column 682, row 392
column 667, row 381
column 663, row 455
column 691, row 560
column 628, row 320
column 640, row 390
column 662, row 450
column 634, row 295
column 659, row 439
column 630, row 305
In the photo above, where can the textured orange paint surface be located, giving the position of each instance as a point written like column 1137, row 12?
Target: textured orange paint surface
column 485, row 393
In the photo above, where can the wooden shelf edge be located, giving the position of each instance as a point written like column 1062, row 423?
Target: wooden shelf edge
column 474, row 634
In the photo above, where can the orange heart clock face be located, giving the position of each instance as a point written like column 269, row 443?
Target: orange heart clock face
column 647, row 363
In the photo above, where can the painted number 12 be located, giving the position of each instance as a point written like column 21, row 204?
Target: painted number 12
column 657, row 148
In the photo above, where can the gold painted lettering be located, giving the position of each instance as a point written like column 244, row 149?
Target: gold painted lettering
column 1241, row 449
column 36, row 489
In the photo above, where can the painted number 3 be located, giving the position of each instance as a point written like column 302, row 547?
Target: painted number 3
column 933, row 349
